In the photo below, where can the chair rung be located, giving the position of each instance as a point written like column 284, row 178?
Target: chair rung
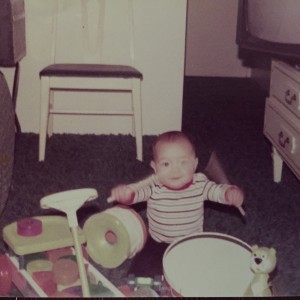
column 91, row 112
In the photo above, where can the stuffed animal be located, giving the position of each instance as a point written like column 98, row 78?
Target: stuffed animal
column 262, row 263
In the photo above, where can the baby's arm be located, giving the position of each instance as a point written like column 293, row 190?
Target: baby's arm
column 223, row 193
column 123, row 194
column 235, row 196
column 132, row 193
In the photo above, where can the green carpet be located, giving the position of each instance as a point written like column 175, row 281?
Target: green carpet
column 221, row 114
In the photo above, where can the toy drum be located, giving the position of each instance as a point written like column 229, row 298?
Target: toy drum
column 114, row 235
column 208, row 265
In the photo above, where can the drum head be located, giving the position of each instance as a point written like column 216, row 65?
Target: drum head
column 208, row 265
column 100, row 249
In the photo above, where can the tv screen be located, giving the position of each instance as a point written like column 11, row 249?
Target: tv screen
column 269, row 29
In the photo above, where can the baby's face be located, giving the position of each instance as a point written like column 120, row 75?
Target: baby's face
column 175, row 163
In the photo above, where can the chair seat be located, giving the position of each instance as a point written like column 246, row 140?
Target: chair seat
column 91, row 70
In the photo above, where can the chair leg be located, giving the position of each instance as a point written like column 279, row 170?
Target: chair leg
column 44, row 111
column 50, row 116
column 137, row 110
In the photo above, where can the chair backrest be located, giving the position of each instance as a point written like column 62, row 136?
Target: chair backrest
column 90, row 38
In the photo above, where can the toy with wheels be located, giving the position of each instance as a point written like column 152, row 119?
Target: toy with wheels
column 47, row 253
column 56, row 244
column 157, row 284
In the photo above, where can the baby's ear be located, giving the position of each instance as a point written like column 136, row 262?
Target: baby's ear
column 196, row 163
column 152, row 164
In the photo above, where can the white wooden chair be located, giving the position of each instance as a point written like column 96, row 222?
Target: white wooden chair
column 89, row 77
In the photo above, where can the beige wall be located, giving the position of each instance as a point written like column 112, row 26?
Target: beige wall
column 160, row 49
column 210, row 43
column 160, row 53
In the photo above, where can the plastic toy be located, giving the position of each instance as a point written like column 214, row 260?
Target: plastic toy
column 141, row 286
column 69, row 202
column 45, row 253
column 262, row 263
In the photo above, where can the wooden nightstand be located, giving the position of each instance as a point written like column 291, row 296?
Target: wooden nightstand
column 282, row 118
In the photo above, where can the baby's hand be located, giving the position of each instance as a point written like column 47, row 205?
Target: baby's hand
column 123, row 194
column 234, row 196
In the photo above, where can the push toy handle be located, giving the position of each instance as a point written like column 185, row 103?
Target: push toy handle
column 69, row 202
column 72, row 198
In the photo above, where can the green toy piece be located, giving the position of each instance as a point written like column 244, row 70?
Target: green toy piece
column 262, row 263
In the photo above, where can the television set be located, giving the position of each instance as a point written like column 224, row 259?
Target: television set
column 268, row 29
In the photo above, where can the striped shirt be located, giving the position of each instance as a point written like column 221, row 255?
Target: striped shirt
column 174, row 214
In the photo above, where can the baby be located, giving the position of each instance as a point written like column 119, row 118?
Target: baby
column 175, row 195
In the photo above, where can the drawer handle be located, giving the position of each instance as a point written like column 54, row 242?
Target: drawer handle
column 288, row 98
column 283, row 141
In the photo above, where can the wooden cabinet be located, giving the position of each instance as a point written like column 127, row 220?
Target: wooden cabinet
column 282, row 118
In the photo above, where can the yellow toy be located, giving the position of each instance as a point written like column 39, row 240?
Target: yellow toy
column 262, row 263
column 46, row 235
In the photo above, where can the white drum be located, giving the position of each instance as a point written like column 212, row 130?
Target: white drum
column 208, row 265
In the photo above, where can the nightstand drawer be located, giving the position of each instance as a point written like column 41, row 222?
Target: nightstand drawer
column 285, row 89
column 283, row 130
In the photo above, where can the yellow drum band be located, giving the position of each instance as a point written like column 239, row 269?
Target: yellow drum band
column 127, row 231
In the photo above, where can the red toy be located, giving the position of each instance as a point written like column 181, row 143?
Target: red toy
column 5, row 275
